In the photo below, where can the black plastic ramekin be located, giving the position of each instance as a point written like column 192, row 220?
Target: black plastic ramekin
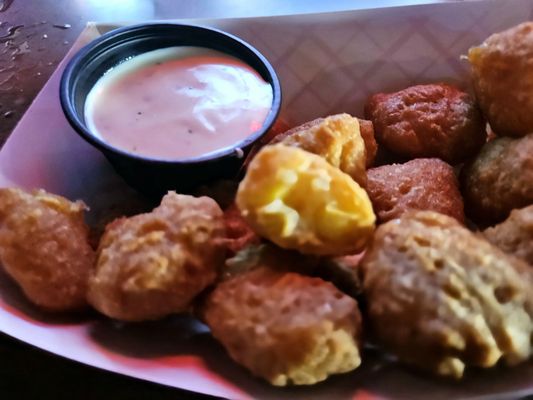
column 151, row 175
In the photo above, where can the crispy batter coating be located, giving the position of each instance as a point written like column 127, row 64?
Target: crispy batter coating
column 436, row 120
column 515, row 234
column 442, row 298
column 154, row 264
column 499, row 179
column 419, row 184
column 371, row 146
column 238, row 233
column 285, row 327
column 502, row 74
column 299, row 201
column 44, row 247
column 336, row 138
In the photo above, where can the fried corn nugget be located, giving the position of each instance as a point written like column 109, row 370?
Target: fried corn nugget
column 154, row 264
column 499, row 179
column 436, row 120
column 44, row 247
column 419, row 184
column 285, row 327
column 336, row 138
column 515, row 234
column 502, row 74
column 442, row 298
column 299, row 201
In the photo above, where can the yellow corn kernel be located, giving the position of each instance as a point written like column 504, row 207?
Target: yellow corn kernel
column 299, row 201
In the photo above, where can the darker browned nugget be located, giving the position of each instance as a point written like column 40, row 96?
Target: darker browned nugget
column 515, row 234
column 436, row 120
column 499, row 179
column 419, row 184
column 442, row 298
column 502, row 74
column 44, row 247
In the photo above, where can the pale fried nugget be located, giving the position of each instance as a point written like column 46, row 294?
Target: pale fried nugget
column 299, row 201
column 419, row 184
column 499, row 179
column 336, row 138
column 238, row 233
column 502, row 74
column 285, row 327
column 154, row 264
column 515, row 234
column 442, row 298
column 436, row 120
column 44, row 247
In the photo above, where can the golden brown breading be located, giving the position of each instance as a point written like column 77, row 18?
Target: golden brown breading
column 44, row 247
column 285, row 327
column 419, row 184
column 436, row 120
column 154, row 264
column 515, row 234
column 499, row 179
column 502, row 74
column 299, row 201
column 442, row 298
column 336, row 138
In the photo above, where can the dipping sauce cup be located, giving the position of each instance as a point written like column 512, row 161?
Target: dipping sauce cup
column 146, row 173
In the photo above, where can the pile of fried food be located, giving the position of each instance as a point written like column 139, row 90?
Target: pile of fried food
column 320, row 251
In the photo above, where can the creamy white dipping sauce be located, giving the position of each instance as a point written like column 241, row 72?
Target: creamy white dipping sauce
column 178, row 102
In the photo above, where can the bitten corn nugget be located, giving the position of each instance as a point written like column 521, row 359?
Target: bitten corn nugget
column 154, row 264
column 44, row 247
column 299, row 201
column 285, row 327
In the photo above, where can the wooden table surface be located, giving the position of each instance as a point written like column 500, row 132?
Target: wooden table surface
column 34, row 36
